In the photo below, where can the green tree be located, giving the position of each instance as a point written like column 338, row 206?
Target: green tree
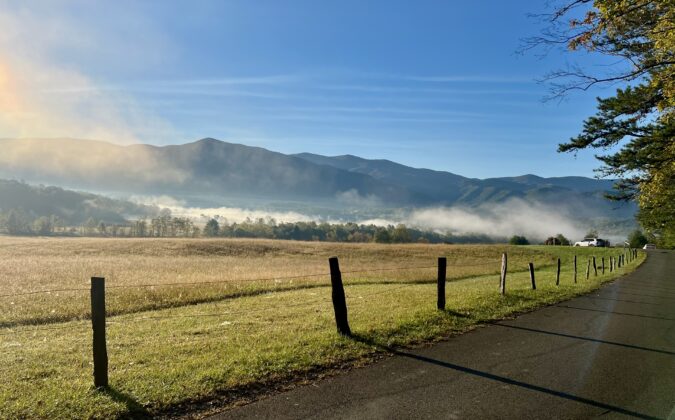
column 382, row 236
column 212, row 228
column 400, row 234
column 518, row 240
column 637, row 239
column 635, row 127
column 562, row 239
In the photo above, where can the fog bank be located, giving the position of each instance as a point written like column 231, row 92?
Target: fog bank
column 514, row 217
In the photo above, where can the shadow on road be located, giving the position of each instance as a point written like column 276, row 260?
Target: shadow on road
column 595, row 340
column 616, row 313
column 504, row 379
column 624, row 300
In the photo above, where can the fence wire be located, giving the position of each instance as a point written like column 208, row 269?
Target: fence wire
column 39, row 329
column 233, row 281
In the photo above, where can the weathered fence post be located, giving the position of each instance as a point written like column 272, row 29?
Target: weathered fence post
column 575, row 269
column 98, row 326
column 588, row 269
column 534, row 284
column 611, row 263
column 557, row 275
column 339, row 301
column 618, row 261
column 502, row 278
column 595, row 267
column 603, row 265
column 442, row 265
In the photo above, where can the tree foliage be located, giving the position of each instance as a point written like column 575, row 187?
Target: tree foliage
column 212, row 228
column 635, row 128
column 518, row 240
column 637, row 239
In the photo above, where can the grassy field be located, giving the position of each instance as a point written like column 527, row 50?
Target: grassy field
column 247, row 313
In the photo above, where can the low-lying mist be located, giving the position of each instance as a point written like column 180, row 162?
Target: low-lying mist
column 502, row 220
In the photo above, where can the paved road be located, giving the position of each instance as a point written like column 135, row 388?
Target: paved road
column 610, row 354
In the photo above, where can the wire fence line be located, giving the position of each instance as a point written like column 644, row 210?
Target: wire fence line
column 229, row 281
column 321, row 303
column 221, row 314
column 39, row 329
column 381, row 292
column 35, row 292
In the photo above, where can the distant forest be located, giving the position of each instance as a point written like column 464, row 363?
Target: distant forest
column 53, row 211
column 19, row 222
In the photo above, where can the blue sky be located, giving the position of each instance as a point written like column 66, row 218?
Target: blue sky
column 433, row 84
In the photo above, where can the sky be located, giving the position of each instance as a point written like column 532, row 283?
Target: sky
column 434, row 84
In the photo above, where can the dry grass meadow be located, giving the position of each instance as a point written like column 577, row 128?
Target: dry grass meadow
column 194, row 320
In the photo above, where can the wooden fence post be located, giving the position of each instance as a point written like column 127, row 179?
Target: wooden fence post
column 611, row 263
column 534, row 284
column 575, row 269
column 442, row 265
column 603, row 265
column 595, row 267
column 502, row 278
column 339, row 301
column 618, row 261
column 98, row 326
column 557, row 274
column 588, row 269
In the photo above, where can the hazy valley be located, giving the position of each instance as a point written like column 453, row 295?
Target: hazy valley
column 232, row 182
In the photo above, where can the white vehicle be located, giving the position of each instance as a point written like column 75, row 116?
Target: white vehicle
column 592, row 242
column 649, row 246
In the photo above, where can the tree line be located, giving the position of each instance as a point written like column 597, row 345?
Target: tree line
column 333, row 232
column 19, row 222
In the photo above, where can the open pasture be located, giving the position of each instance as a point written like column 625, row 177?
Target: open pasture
column 191, row 320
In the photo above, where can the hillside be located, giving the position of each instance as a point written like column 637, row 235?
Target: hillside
column 580, row 196
column 70, row 207
column 208, row 167
column 225, row 171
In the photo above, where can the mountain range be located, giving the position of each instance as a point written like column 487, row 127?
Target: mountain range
column 213, row 168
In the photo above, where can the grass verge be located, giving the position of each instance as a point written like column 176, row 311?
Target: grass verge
column 171, row 357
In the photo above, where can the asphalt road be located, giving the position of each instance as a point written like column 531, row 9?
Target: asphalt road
column 609, row 354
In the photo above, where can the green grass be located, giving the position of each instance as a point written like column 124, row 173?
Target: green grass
column 164, row 358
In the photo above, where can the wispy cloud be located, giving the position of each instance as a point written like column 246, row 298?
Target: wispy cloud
column 467, row 79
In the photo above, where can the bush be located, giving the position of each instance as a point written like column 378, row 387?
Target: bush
column 637, row 239
column 518, row 240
